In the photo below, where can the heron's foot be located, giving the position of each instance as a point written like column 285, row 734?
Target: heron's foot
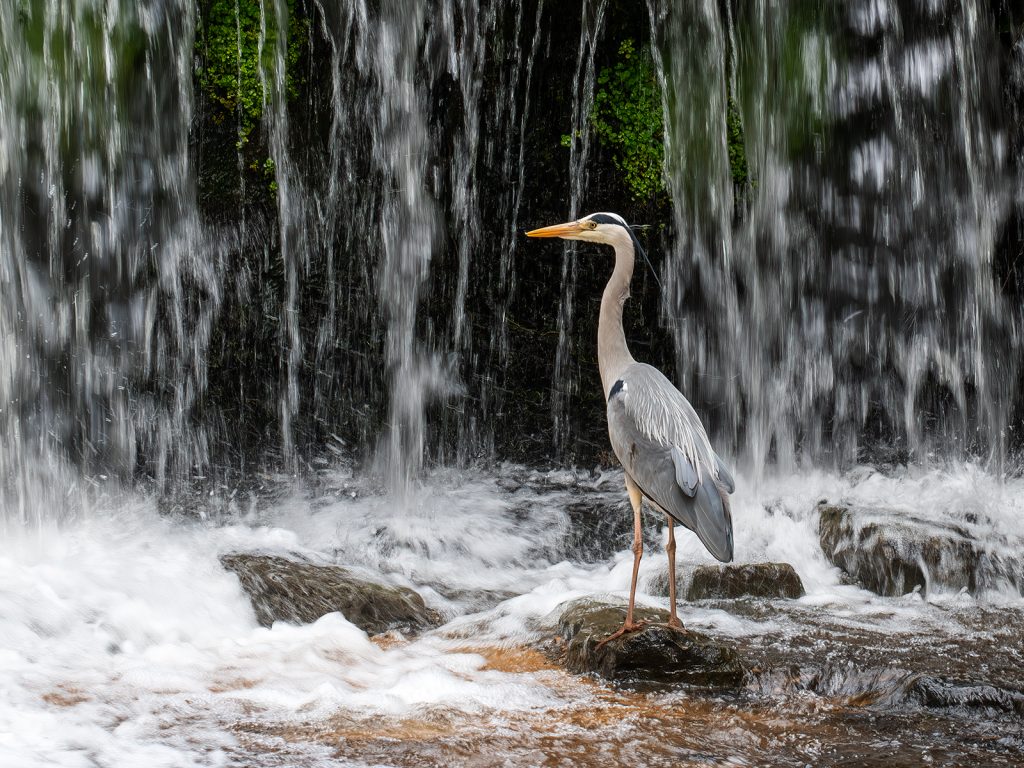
column 625, row 630
column 674, row 624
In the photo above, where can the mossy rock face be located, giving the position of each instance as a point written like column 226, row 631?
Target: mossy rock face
column 892, row 553
column 281, row 589
column 653, row 654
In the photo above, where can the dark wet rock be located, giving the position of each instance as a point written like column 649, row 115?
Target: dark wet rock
column 886, row 687
column 939, row 692
column 727, row 582
column 473, row 600
column 601, row 526
column 893, row 553
column 654, row 654
column 283, row 589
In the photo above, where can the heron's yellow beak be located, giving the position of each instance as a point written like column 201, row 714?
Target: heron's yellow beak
column 558, row 230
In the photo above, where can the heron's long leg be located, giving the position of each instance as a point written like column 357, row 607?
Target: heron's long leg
column 635, row 498
column 670, row 548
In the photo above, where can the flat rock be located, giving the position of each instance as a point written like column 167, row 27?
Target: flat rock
column 654, row 654
column 283, row 589
column 892, row 553
column 728, row 582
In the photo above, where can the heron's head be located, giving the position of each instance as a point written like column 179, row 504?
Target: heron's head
column 609, row 228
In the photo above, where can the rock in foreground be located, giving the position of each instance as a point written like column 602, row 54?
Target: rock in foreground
column 654, row 654
column 282, row 589
column 728, row 582
column 892, row 553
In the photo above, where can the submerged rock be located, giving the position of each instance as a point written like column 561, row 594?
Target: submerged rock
column 282, row 589
column 955, row 694
column 893, row 553
column 727, row 582
column 654, row 654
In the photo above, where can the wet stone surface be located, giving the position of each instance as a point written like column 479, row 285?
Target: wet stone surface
column 726, row 582
column 653, row 654
column 603, row 526
column 942, row 693
column 893, row 553
column 282, row 589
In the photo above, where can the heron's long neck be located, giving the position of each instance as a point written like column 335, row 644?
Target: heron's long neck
column 612, row 353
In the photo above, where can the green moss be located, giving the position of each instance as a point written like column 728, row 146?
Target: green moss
column 737, row 151
column 627, row 118
column 228, row 48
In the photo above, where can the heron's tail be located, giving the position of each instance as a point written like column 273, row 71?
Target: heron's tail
column 713, row 518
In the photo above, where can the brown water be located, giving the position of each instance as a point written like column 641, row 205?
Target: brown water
column 834, row 695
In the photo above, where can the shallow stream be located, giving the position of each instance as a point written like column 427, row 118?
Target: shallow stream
column 126, row 643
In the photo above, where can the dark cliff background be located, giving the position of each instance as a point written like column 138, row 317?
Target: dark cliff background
column 504, row 358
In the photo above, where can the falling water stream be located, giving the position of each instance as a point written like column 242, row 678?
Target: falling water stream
column 881, row 254
column 302, row 304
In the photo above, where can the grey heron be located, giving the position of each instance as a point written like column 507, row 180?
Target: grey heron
column 656, row 434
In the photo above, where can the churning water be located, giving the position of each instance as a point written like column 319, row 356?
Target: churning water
column 126, row 643
column 845, row 301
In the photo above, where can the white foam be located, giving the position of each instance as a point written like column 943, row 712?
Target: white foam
column 125, row 642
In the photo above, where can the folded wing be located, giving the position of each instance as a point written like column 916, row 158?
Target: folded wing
column 664, row 448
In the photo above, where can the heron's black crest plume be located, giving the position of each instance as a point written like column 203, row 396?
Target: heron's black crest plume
column 643, row 253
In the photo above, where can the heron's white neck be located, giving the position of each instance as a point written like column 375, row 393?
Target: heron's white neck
column 612, row 353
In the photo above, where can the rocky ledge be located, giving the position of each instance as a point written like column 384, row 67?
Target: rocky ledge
column 654, row 654
column 297, row 591
column 892, row 553
column 728, row 582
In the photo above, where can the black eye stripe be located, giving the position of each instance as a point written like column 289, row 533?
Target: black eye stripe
column 603, row 218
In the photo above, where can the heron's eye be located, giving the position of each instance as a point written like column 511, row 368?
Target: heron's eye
column 591, row 225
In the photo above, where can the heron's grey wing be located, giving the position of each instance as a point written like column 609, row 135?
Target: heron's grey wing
column 666, row 475
column 686, row 473
column 724, row 475
column 662, row 413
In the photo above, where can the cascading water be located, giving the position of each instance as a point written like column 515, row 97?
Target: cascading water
column 110, row 285
column 565, row 379
column 409, row 227
column 850, row 292
column 832, row 304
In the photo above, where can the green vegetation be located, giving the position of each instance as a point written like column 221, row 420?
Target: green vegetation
column 737, row 152
column 228, row 46
column 627, row 118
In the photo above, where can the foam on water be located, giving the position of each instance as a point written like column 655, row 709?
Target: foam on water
column 126, row 642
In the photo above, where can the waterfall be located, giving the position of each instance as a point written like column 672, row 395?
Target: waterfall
column 266, row 234
column 565, row 380
column 845, row 297
column 109, row 281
